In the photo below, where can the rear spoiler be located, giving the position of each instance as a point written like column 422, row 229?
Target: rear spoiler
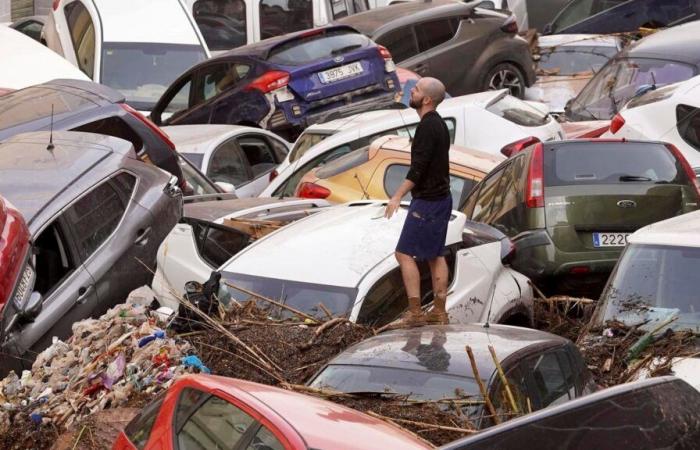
column 306, row 33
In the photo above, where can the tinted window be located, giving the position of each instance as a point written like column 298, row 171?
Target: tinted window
column 179, row 102
column 264, row 439
column 217, row 78
column 222, row 23
column 431, row 34
column 82, row 35
column 396, row 174
column 612, row 163
column 31, row 29
column 36, row 103
column 304, row 50
column 688, row 123
column 139, row 429
column 96, row 215
column 227, row 164
column 195, row 182
column 217, row 424
column 401, row 43
column 278, row 17
column 551, row 383
column 259, row 154
column 343, row 163
column 218, row 244
column 487, row 193
column 517, row 111
column 143, row 71
column 573, row 59
column 54, row 260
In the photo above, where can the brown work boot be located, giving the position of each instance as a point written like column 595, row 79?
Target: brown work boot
column 414, row 317
column 438, row 315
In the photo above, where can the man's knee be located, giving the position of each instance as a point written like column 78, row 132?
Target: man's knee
column 402, row 257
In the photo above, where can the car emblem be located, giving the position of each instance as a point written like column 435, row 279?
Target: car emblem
column 338, row 59
column 627, row 204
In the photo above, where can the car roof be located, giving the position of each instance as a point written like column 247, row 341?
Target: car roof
column 133, row 21
column 408, row 13
column 387, row 349
column 675, row 43
column 593, row 40
column 321, row 423
column 215, row 210
column 199, row 138
column 462, row 156
column 335, row 247
column 33, row 177
column 26, row 62
column 679, row 231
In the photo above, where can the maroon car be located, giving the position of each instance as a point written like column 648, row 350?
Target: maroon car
column 14, row 251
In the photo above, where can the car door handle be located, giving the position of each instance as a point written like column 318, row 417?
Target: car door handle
column 142, row 236
column 84, row 293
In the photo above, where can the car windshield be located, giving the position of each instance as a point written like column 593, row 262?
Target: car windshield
column 305, row 49
column 307, row 140
column 568, row 60
column 618, row 82
column 610, row 163
column 143, row 71
column 517, row 111
column 653, row 283
column 306, row 297
column 37, row 103
column 418, row 384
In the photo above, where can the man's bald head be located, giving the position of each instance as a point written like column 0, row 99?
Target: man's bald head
column 433, row 88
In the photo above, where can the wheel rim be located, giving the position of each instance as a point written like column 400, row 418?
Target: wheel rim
column 506, row 79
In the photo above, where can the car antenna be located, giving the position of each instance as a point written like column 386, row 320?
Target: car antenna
column 50, row 147
column 488, row 315
column 365, row 195
column 410, row 136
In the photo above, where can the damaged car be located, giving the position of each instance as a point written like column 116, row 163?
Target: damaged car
column 284, row 84
column 341, row 262
column 96, row 215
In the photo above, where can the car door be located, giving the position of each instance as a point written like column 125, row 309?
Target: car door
column 261, row 158
column 438, row 52
column 81, row 47
column 228, row 164
column 403, row 47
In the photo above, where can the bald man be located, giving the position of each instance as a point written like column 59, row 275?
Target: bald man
column 425, row 229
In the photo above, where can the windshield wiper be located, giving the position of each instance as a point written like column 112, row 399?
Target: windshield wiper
column 347, row 48
column 634, row 178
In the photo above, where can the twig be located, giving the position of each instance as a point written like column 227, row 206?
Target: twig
column 325, row 310
column 504, row 380
column 568, row 300
column 482, row 388
column 80, row 435
column 422, row 424
column 326, row 325
column 537, row 290
column 274, row 302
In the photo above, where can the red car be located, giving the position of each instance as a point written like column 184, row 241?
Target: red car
column 14, row 250
column 206, row 412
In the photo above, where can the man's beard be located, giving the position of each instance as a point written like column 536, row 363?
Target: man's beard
column 413, row 104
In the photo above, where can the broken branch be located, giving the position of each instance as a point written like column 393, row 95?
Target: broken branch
column 482, row 388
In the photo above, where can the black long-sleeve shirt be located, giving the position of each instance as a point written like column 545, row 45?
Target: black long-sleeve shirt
column 430, row 159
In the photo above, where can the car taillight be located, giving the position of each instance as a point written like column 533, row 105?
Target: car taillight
column 384, row 52
column 389, row 65
column 273, row 174
column 689, row 172
column 534, row 195
column 518, row 146
column 152, row 126
column 269, row 81
column 15, row 275
column 510, row 25
column 55, row 4
column 311, row 190
column 617, row 122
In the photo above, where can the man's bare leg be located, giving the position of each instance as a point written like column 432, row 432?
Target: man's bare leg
column 411, row 281
column 439, row 275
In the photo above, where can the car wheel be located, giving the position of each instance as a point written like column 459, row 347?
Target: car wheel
column 505, row 76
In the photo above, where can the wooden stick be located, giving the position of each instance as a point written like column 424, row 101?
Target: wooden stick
column 274, row 302
column 537, row 290
column 582, row 301
column 504, row 380
column 325, row 310
column 422, row 424
column 482, row 388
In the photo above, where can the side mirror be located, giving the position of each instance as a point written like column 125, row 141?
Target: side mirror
column 227, row 187
column 31, row 307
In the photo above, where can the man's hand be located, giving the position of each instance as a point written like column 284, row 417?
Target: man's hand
column 392, row 206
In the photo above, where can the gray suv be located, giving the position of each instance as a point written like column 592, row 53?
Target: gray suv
column 96, row 215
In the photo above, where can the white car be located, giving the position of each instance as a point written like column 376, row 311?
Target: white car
column 200, row 242
column 656, row 280
column 486, row 121
column 343, row 257
column 244, row 158
column 26, row 62
column 669, row 114
column 137, row 47
column 565, row 63
column 227, row 24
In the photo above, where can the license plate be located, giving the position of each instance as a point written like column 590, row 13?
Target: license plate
column 610, row 239
column 340, row 73
column 23, row 285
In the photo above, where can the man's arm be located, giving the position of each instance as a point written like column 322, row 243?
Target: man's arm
column 395, row 201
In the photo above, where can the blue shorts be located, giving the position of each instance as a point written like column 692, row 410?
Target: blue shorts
column 424, row 232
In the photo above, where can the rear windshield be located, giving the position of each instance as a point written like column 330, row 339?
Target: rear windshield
column 304, row 50
column 343, row 163
column 517, row 111
column 305, row 142
column 612, row 163
column 573, row 59
column 35, row 103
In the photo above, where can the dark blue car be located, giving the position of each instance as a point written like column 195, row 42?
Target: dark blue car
column 284, row 83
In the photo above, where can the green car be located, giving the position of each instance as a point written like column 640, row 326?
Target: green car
column 569, row 206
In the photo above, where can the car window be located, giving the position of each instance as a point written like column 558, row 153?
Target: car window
column 688, row 123
column 217, row 78
column 217, row 244
column 278, row 17
column 264, row 439
column 396, row 174
column 519, row 389
column 433, row 33
column 180, row 101
column 31, row 28
column 95, row 216
column 53, row 260
column 384, row 301
column 139, row 429
column 82, row 35
column 222, row 23
column 551, row 383
column 409, row 130
column 517, row 111
column 343, row 163
column 487, row 195
column 215, row 425
column 307, row 140
column 36, row 103
column 195, row 182
column 260, row 155
column 187, row 403
column 227, row 164
column 401, row 43
column 308, row 48
column 470, row 202
column 288, row 188
column 573, row 59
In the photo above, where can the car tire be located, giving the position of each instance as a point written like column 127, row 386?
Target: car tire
column 505, row 76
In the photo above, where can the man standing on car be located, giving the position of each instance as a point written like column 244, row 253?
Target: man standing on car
column 425, row 229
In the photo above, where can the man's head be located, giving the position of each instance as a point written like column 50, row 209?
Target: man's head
column 427, row 94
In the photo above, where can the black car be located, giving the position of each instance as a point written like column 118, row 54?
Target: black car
column 96, row 215
column 469, row 49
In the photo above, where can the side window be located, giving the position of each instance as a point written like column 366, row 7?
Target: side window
column 384, row 301
column 139, row 429
column 517, row 381
column 470, row 202
column 216, row 424
column 500, row 202
column 552, row 384
column 53, row 260
column 433, row 33
column 396, row 173
column 218, row 244
column 228, row 165
column 217, row 78
column 280, row 150
column 96, row 215
column 487, row 195
column 222, row 23
column 82, row 34
column 289, row 187
column 688, row 123
column 265, row 440
column 401, row 43
column 259, row 154
column 339, row 9
column 179, row 102
column 278, row 17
